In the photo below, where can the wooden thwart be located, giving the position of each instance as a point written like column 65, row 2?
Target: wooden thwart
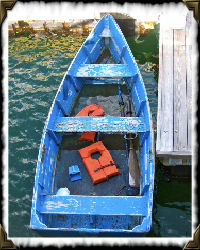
column 102, row 124
column 105, row 70
column 95, row 205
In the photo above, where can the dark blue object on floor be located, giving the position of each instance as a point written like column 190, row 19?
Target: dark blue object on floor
column 74, row 173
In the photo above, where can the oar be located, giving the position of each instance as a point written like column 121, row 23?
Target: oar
column 134, row 175
column 134, row 179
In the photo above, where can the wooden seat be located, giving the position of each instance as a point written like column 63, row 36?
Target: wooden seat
column 101, row 124
column 105, row 70
column 94, row 205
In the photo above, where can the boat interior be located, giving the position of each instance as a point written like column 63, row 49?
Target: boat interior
column 105, row 93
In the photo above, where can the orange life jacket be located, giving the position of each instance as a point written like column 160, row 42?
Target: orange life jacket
column 90, row 110
column 100, row 169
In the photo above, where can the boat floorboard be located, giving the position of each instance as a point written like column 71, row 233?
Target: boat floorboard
column 85, row 185
column 105, row 57
column 107, row 96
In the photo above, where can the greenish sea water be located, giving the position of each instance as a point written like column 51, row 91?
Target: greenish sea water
column 36, row 68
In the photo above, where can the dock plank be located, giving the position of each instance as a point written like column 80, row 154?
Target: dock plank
column 189, row 88
column 180, row 103
column 166, row 93
column 160, row 80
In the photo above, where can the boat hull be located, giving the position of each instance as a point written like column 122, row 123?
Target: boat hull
column 86, row 212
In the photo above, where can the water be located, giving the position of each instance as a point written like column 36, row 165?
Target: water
column 36, row 68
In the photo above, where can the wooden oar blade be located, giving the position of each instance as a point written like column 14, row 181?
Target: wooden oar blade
column 132, row 181
column 134, row 175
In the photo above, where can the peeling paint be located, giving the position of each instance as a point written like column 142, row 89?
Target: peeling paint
column 76, row 208
column 57, row 204
column 104, row 70
column 104, row 124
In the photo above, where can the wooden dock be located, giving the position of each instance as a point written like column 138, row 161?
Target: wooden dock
column 174, row 118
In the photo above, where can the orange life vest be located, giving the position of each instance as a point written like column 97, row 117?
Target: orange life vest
column 90, row 110
column 100, row 169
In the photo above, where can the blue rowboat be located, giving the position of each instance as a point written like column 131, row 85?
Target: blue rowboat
column 113, row 206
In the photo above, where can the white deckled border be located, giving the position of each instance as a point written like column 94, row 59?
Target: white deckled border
column 66, row 11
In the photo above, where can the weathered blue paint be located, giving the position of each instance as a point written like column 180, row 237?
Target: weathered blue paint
column 105, row 70
column 95, row 214
column 113, row 205
column 101, row 124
